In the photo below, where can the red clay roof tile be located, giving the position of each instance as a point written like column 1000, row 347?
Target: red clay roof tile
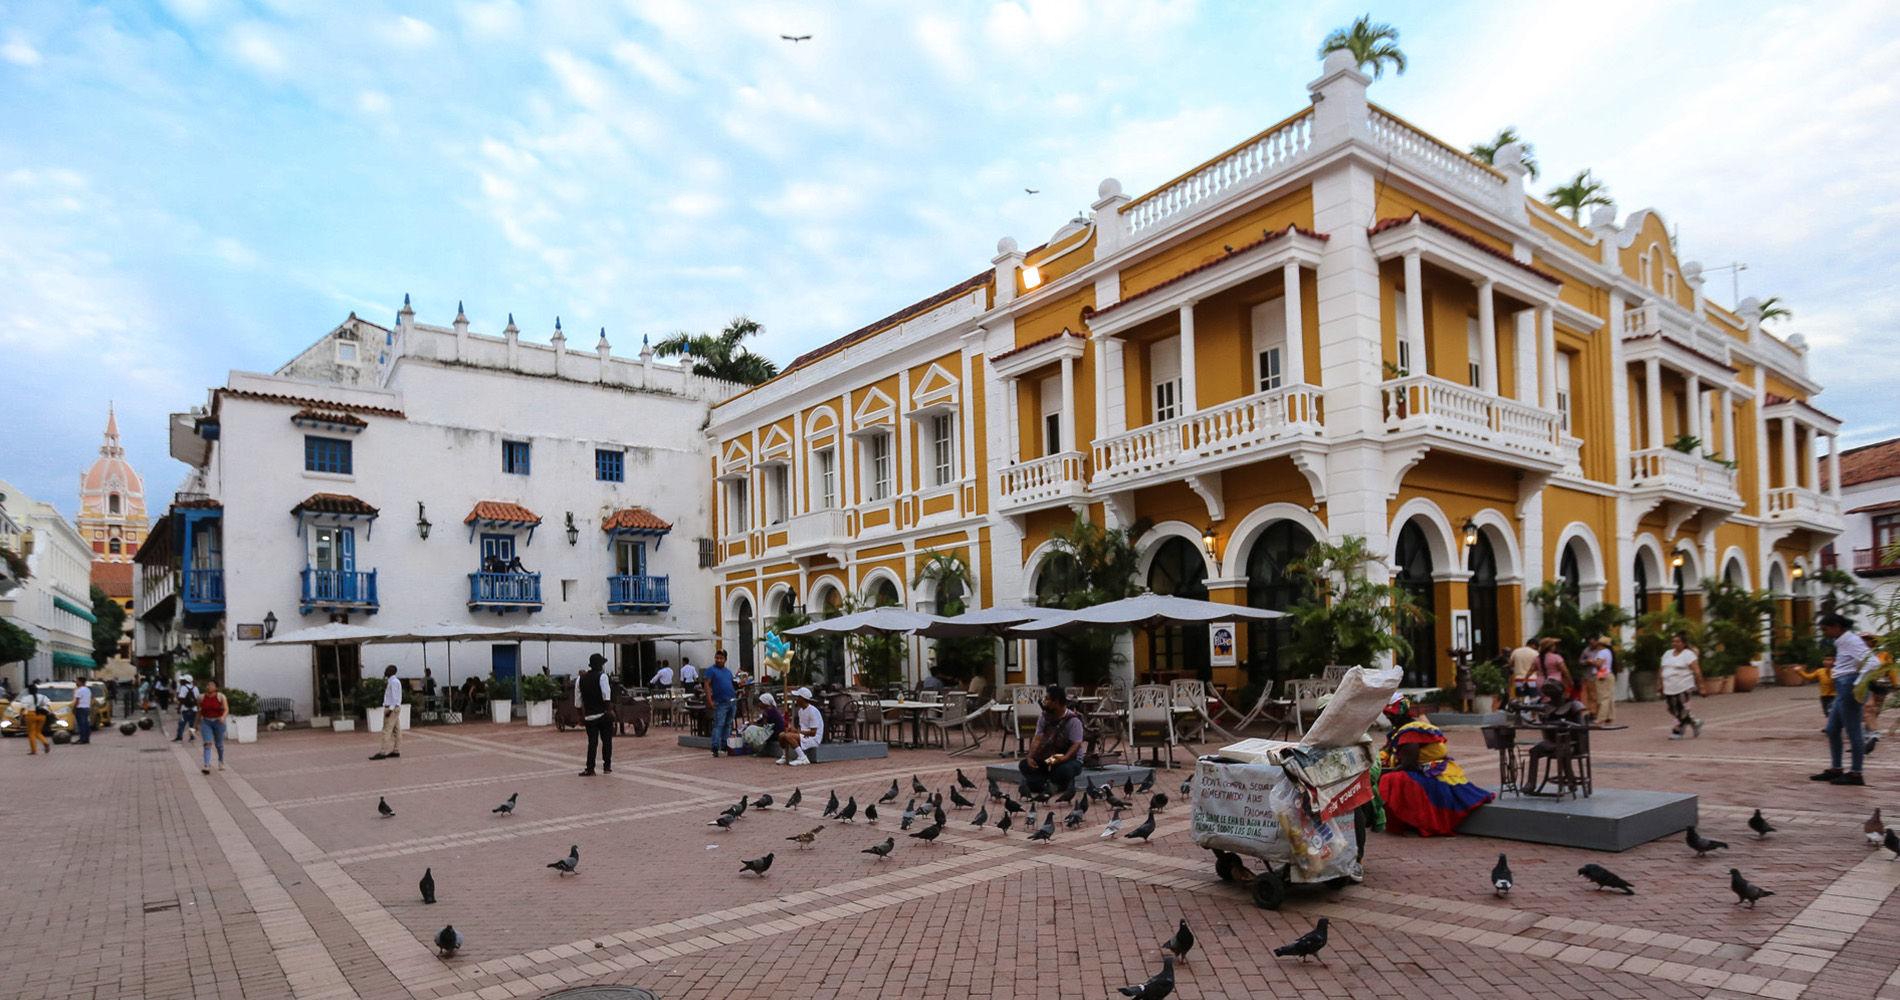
column 1385, row 224
column 334, row 418
column 1870, row 462
column 634, row 519
column 333, row 503
column 497, row 510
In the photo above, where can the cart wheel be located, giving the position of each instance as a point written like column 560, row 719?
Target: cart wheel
column 1268, row 891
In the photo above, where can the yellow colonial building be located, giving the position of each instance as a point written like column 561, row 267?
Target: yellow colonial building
column 1340, row 327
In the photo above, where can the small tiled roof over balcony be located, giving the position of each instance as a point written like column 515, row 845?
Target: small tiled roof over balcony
column 634, row 521
column 501, row 512
column 333, row 503
column 1871, row 462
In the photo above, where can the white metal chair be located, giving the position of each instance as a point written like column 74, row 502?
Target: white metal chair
column 1279, row 715
column 1191, row 694
column 1304, row 693
column 1027, row 702
column 1335, row 673
column 1151, row 721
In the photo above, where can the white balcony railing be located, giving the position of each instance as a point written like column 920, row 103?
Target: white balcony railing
column 1796, row 503
column 1242, row 425
column 1652, row 318
column 1043, row 480
column 1427, row 155
column 1264, row 154
column 1682, row 472
column 817, row 531
column 1431, row 403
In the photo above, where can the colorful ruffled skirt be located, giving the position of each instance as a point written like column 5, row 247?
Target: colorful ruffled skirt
column 1432, row 807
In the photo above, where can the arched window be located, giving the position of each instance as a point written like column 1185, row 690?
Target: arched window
column 745, row 636
column 1571, row 573
column 114, row 547
column 112, row 504
column 1270, row 588
column 1057, row 575
column 885, row 594
column 949, row 595
column 1482, row 593
column 1414, row 558
column 1640, row 573
column 1179, row 570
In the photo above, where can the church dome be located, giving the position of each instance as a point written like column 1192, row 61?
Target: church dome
column 112, row 474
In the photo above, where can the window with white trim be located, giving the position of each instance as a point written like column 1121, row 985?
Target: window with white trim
column 777, row 494
column 1474, row 352
column 1164, row 378
column 943, row 450
column 1403, row 332
column 738, row 510
column 826, row 460
column 878, row 449
column 1563, row 390
column 1269, row 344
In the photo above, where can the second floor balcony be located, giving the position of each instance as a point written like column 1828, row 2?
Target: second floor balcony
column 1461, row 418
column 629, row 594
column 1805, row 508
column 501, row 592
column 1877, row 560
column 1246, row 430
column 338, row 590
column 818, row 532
column 1665, row 474
column 204, row 590
column 1037, row 483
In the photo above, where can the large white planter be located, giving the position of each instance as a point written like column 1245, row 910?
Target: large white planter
column 375, row 718
column 1481, row 704
column 540, row 713
column 501, row 711
column 343, row 725
column 245, row 728
column 403, row 723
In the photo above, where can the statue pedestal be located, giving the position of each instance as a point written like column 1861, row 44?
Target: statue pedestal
column 1613, row 819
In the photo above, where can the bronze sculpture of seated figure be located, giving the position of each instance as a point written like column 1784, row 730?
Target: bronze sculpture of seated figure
column 1564, row 728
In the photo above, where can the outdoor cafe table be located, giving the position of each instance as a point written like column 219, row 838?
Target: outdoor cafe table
column 915, row 711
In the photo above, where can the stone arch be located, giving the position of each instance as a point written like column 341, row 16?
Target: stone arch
column 814, row 598
column 774, row 596
column 1440, row 539
column 1502, row 535
column 1160, row 533
column 1241, row 540
column 1032, row 568
column 1579, row 538
column 1737, row 561
column 868, row 583
column 1778, row 575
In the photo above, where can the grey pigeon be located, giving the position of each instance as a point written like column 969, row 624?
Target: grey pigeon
column 918, row 786
column 982, row 817
column 1093, row 790
column 831, row 808
column 910, row 815
column 1142, row 832
column 1745, row 891
column 1606, row 879
column 1308, row 944
column 570, row 864
column 738, row 809
column 870, row 814
column 891, row 794
column 757, row 865
column 927, row 834
column 1156, row 988
column 1074, row 819
column 1891, row 841
column 507, row 808
column 1068, row 795
column 1109, row 795
column 724, row 822
column 957, row 799
column 798, row 795
column 1003, row 825
column 1114, row 826
column 428, row 886
column 849, row 814
column 763, row 801
column 448, row 941
column 1048, row 829
column 996, row 792
column 1187, row 785
column 1148, row 783
column 382, row 806
column 1873, row 827
column 1501, row 876
column 1128, row 785
column 1702, row 845
column 1181, row 943
column 1759, row 825
column 1029, row 819
column 1159, row 801
column 964, row 781
column 884, row 849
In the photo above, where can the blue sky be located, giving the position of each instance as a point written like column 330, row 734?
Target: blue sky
column 193, row 186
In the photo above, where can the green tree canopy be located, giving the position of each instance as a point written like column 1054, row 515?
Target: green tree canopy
column 1373, row 45
column 1488, row 151
column 1577, row 194
column 722, row 355
column 16, row 645
column 108, row 626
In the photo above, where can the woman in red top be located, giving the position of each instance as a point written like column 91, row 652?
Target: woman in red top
column 211, row 711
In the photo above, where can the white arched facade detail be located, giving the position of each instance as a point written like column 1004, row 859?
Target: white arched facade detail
column 1439, row 537
column 1590, row 576
column 1777, row 574
column 1800, row 586
column 1736, row 558
column 1160, row 533
column 1650, row 551
column 769, row 609
column 869, row 581
column 1240, row 540
column 1032, row 567
column 1503, row 536
column 820, row 417
column 814, row 598
column 1692, row 570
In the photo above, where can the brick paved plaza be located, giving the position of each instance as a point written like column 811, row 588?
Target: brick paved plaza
column 133, row 875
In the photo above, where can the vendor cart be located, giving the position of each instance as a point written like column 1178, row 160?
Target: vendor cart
column 1304, row 811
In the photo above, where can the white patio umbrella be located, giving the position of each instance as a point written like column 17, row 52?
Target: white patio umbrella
column 1145, row 611
column 987, row 621
column 447, row 633
column 887, row 620
column 329, row 634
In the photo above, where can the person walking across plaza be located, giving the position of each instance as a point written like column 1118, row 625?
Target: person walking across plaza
column 1054, row 753
column 187, row 709
column 82, row 709
column 392, row 716
column 1599, row 669
column 211, row 710
column 33, row 706
column 1523, row 665
column 1681, row 678
column 724, row 699
column 594, row 696
column 1851, row 656
column 1551, row 667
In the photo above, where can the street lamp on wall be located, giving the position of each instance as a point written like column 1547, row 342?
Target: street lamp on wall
column 422, row 521
column 1208, row 538
column 573, row 533
column 1471, row 532
column 1798, row 572
column 1675, row 558
column 270, row 624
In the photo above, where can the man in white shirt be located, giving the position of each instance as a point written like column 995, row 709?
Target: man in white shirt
column 392, row 715
column 82, row 709
column 1851, row 655
column 664, row 677
column 187, row 710
column 689, row 674
column 805, row 729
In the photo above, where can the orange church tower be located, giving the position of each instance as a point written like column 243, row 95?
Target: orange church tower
column 112, row 508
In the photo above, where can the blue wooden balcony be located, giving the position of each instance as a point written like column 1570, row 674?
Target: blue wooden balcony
column 501, row 592
column 204, row 590
column 638, row 595
column 339, row 590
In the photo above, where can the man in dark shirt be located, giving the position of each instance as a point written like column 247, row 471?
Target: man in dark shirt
column 723, row 697
column 593, row 695
column 1055, row 753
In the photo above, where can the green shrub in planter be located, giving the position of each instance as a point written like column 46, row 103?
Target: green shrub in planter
column 1490, row 679
column 369, row 693
column 242, row 702
column 539, row 687
column 501, row 689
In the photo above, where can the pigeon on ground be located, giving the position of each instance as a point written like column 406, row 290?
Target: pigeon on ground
column 1073, row 820
column 1048, row 828
column 570, row 864
column 1114, row 826
column 1159, row 801
column 804, row 839
column 448, row 940
column 1744, row 890
column 763, row 801
column 831, row 808
column 428, row 886
column 996, row 792
column 1156, row 988
column 1029, row 819
column 957, row 799
column 724, row 822
column 1873, row 827
column 382, row 806
column 964, row 781
column 927, row 834
column 982, row 817
column 1128, row 785
column 758, row 865
column 798, row 795
column 1148, row 783
column 1012, row 805
column 1702, row 845
column 1231, row 869
column 918, row 786
column 1142, row 832
column 1187, row 786
column 882, row 850
column 738, row 810
column 936, row 815
column 890, row 795
column 1759, row 825
column 1606, row 879
column 910, row 815
column 1109, row 795
column 1003, row 825
column 870, row 814
column 849, row 814
column 1067, row 796
column 1891, row 841
column 1181, row 943
column 507, row 808
column 1307, row 944
column 1501, row 876
column 1093, row 790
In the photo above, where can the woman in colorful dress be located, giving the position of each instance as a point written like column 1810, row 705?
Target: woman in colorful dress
column 1423, row 789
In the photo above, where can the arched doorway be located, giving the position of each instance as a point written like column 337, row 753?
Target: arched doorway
column 1682, row 591
column 1639, row 573
column 743, row 609
column 831, row 658
column 1270, row 588
column 1178, row 570
column 1414, row 574
column 1482, row 595
column 1570, row 573
column 1053, row 579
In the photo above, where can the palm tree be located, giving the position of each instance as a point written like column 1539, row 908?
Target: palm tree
column 724, row 355
column 1771, row 308
column 1371, row 44
column 1579, row 193
column 1488, row 151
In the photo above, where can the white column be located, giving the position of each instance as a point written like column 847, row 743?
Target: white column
column 1013, row 419
column 1787, row 452
column 1100, row 346
column 1190, row 400
column 1652, row 396
column 1814, row 460
column 1730, row 450
column 1547, row 357
column 1834, row 466
column 1525, row 349
column 1294, row 365
column 1068, row 405
column 1487, row 340
column 1415, row 313
column 1116, row 388
column 1692, row 405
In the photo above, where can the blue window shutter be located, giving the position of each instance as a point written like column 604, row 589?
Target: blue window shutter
column 346, row 545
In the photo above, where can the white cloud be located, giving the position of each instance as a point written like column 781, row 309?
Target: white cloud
column 409, row 33
column 257, row 47
column 373, row 102
column 18, row 52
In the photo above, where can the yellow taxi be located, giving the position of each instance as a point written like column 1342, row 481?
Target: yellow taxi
column 59, row 694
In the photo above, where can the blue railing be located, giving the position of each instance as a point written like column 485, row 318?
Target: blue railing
column 204, row 589
column 504, row 588
column 638, row 593
column 338, row 586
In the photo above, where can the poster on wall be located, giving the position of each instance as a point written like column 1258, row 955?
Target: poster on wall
column 1461, row 630
column 1220, row 644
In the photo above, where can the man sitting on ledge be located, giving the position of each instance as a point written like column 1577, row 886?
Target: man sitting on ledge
column 1055, row 753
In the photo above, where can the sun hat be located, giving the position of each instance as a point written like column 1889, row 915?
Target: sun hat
column 804, row 693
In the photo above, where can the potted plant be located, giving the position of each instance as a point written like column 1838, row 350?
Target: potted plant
column 243, row 706
column 1732, row 637
column 369, row 698
column 539, row 691
column 501, row 699
column 1798, row 653
column 1492, row 685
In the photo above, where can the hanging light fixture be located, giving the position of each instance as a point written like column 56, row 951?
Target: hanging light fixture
column 573, row 533
column 1208, row 538
column 1471, row 532
column 1675, row 557
column 270, row 624
column 1799, row 572
column 422, row 521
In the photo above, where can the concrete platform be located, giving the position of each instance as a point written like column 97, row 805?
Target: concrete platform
column 861, row 750
column 1443, row 719
column 1614, row 819
column 1008, row 775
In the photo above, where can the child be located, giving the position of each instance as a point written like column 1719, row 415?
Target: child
column 1827, row 687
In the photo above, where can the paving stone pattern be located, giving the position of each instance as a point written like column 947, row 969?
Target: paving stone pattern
column 130, row 874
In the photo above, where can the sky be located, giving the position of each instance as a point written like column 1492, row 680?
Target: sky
column 193, row 186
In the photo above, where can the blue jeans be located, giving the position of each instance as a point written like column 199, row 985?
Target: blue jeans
column 1843, row 717
column 212, row 731
column 1037, row 776
column 187, row 717
column 722, row 724
column 83, row 716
